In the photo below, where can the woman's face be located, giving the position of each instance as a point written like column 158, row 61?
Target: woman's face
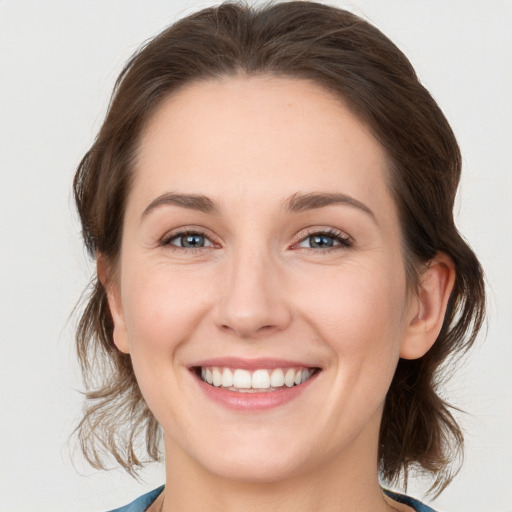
column 261, row 251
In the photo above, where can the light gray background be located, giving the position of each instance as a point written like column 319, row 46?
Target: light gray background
column 58, row 62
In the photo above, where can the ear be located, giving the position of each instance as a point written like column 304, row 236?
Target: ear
column 111, row 285
column 428, row 307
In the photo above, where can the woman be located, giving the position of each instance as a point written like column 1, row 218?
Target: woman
column 279, row 277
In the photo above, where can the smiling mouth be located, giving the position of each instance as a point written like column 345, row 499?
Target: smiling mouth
column 258, row 381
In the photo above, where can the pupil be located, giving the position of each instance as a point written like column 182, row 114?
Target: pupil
column 192, row 241
column 321, row 241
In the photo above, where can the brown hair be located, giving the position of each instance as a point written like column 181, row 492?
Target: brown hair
column 343, row 53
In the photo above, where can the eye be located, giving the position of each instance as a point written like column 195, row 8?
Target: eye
column 188, row 240
column 325, row 240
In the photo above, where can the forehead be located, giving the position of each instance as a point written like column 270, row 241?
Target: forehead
column 260, row 137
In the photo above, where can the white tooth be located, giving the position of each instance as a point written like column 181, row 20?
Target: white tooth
column 209, row 376
column 277, row 378
column 217, row 376
column 203, row 373
column 298, row 377
column 227, row 378
column 242, row 379
column 305, row 375
column 289, row 378
column 261, row 379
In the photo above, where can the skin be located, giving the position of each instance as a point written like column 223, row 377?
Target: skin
column 258, row 289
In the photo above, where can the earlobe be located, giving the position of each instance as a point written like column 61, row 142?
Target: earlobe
column 110, row 284
column 427, row 314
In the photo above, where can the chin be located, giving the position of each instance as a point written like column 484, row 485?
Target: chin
column 264, row 461
column 270, row 470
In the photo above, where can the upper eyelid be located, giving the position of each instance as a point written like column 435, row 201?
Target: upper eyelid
column 175, row 233
column 329, row 231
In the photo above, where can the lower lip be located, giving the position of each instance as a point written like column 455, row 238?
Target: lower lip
column 254, row 401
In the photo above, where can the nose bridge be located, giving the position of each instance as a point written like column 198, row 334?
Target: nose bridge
column 254, row 301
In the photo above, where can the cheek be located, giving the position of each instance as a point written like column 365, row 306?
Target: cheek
column 359, row 309
column 161, row 308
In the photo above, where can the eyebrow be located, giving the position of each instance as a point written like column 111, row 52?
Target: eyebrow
column 295, row 204
column 301, row 202
column 190, row 201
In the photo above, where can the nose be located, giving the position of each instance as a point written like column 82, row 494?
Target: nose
column 253, row 303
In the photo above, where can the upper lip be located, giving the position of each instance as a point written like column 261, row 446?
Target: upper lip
column 251, row 364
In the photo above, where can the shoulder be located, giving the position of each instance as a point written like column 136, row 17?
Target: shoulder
column 142, row 502
column 417, row 505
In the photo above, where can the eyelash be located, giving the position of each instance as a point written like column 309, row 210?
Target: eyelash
column 344, row 241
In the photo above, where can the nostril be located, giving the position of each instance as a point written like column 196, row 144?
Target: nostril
column 246, row 332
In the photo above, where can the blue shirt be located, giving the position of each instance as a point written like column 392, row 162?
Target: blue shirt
column 142, row 503
column 416, row 505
